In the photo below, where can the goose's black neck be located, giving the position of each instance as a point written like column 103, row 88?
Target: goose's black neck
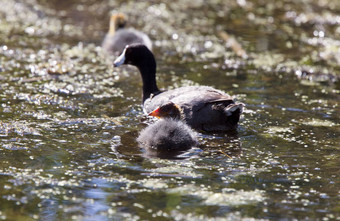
column 147, row 70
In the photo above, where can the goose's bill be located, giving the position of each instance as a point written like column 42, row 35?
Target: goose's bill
column 155, row 113
column 120, row 60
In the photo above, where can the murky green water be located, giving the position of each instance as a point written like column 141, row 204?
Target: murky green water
column 69, row 120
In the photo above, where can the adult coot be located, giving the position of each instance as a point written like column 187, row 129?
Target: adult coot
column 204, row 108
column 118, row 36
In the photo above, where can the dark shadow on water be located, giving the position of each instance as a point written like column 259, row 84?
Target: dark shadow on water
column 173, row 155
column 131, row 148
column 227, row 144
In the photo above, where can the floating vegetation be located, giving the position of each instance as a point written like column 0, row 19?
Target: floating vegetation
column 69, row 120
column 320, row 123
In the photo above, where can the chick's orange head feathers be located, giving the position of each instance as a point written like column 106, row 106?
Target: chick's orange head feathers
column 169, row 110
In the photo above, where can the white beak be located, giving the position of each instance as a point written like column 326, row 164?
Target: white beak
column 120, row 60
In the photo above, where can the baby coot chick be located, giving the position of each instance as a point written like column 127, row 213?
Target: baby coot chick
column 204, row 108
column 118, row 36
column 168, row 135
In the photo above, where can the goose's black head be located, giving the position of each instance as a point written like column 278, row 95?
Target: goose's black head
column 137, row 55
column 140, row 56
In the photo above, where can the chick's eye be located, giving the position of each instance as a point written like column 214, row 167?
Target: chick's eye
column 163, row 109
column 167, row 108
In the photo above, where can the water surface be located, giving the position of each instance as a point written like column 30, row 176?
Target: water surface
column 69, row 120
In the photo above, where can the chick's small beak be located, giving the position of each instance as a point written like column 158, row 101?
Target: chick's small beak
column 155, row 113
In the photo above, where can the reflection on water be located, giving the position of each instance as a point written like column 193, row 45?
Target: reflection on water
column 69, row 121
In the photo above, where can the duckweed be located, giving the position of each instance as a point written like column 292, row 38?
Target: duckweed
column 69, row 120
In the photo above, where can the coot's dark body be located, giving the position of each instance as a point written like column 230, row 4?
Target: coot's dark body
column 204, row 108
